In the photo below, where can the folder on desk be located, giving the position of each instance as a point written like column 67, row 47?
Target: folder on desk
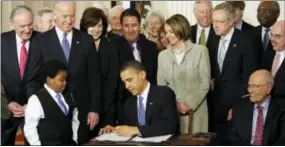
column 111, row 137
column 155, row 139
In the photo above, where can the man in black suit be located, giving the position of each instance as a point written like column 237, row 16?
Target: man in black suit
column 259, row 119
column 202, row 32
column 151, row 111
column 15, row 53
column 276, row 62
column 77, row 50
column 132, row 45
column 233, row 59
column 239, row 22
column 267, row 14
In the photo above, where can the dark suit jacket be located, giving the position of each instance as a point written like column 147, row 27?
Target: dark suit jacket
column 15, row 87
column 109, row 68
column 240, row 131
column 112, row 36
column 240, row 61
column 194, row 35
column 83, row 67
column 279, row 78
column 256, row 34
column 161, row 113
column 149, row 55
column 246, row 26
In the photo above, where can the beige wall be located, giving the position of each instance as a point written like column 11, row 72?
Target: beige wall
column 7, row 7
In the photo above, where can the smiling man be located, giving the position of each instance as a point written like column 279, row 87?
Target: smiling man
column 16, row 46
column 75, row 49
column 150, row 111
column 132, row 45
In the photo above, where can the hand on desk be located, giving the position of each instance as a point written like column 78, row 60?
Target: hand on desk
column 126, row 131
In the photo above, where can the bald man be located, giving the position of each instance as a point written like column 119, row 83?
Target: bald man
column 77, row 50
column 258, row 119
column 276, row 63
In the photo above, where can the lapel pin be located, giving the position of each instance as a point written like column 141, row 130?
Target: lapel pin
column 77, row 42
column 150, row 103
column 235, row 45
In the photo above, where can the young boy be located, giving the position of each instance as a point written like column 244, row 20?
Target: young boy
column 50, row 116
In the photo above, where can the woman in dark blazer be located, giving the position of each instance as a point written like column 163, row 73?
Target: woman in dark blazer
column 94, row 22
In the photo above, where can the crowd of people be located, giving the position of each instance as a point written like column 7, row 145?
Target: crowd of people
column 63, row 86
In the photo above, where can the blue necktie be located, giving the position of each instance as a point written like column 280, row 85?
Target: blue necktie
column 266, row 38
column 65, row 46
column 141, row 112
column 61, row 104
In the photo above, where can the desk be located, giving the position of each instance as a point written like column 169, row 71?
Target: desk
column 182, row 139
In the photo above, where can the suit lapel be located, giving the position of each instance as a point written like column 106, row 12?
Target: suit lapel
column 268, row 121
column 230, row 52
column 194, row 33
column 149, row 104
column 134, row 111
column 12, row 53
column 246, row 123
column 75, row 48
column 281, row 67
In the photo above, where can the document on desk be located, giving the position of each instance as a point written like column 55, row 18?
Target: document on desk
column 151, row 139
column 112, row 137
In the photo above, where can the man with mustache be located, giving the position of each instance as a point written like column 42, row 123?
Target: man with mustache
column 16, row 46
column 275, row 62
column 267, row 14
column 134, row 46
column 76, row 50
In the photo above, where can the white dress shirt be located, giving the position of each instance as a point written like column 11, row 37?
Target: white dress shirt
column 265, row 106
column 60, row 36
column 144, row 95
column 239, row 25
column 199, row 31
column 282, row 56
column 263, row 32
column 34, row 112
column 228, row 38
column 19, row 46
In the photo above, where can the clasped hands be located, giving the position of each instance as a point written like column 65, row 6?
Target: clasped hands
column 16, row 109
column 126, row 131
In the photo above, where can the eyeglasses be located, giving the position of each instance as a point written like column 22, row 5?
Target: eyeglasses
column 253, row 86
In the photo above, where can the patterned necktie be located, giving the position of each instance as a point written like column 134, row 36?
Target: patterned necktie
column 23, row 58
column 259, row 127
column 61, row 104
column 65, row 46
column 136, row 52
column 141, row 112
column 275, row 64
column 266, row 38
column 202, row 40
column 222, row 53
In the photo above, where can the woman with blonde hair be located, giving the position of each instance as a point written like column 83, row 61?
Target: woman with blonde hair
column 185, row 67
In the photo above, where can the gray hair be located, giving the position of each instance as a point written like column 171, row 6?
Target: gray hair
column 42, row 11
column 230, row 11
column 112, row 10
column 55, row 3
column 199, row 2
column 154, row 13
column 270, row 79
column 20, row 9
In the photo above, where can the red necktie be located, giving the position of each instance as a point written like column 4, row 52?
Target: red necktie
column 275, row 64
column 259, row 127
column 23, row 58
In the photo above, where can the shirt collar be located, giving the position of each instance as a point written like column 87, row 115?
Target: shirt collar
column 282, row 53
column 264, row 28
column 228, row 37
column 239, row 25
column 145, row 92
column 18, row 39
column 201, row 28
column 265, row 104
column 50, row 91
column 60, row 33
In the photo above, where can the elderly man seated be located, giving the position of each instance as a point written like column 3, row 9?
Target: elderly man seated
column 260, row 118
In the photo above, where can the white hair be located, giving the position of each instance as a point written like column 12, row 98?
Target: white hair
column 154, row 13
column 114, row 9
column 42, row 11
column 199, row 2
column 19, row 10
